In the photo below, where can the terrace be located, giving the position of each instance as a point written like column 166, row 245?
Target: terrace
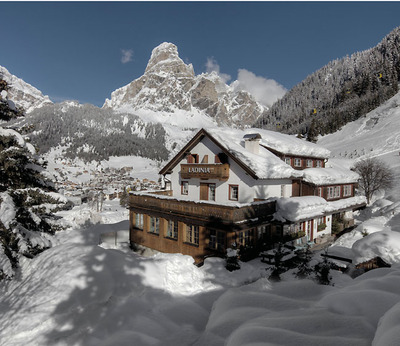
column 161, row 202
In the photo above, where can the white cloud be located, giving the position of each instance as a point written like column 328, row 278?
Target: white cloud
column 264, row 90
column 212, row 66
column 127, row 55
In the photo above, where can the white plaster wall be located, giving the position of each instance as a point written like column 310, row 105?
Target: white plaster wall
column 327, row 230
column 249, row 188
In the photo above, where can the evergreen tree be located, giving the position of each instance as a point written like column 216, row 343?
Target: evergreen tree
column 322, row 272
column 27, row 198
column 232, row 258
column 304, row 269
column 278, row 268
column 342, row 91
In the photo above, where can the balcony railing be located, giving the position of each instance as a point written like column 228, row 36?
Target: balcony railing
column 205, row 171
column 202, row 210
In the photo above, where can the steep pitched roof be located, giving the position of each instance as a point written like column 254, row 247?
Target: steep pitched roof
column 264, row 165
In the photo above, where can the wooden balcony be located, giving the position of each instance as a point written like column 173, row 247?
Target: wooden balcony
column 205, row 171
column 165, row 205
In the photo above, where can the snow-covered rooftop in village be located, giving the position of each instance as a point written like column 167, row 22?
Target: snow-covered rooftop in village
column 326, row 176
column 307, row 207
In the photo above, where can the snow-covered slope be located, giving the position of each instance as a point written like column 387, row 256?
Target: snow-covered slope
column 23, row 94
column 375, row 135
column 170, row 88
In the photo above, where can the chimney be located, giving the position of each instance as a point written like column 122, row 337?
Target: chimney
column 252, row 142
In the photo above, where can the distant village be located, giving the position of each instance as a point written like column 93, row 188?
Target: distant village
column 83, row 185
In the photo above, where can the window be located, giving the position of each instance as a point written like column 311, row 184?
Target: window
column 309, row 163
column 321, row 225
column 320, row 191
column 318, row 163
column 234, row 192
column 217, row 240
column 172, row 229
column 154, row 225
column 297, row 162
column 192, row 234
column 139, row 221
column 184, row 187
column 245, row 238
column 211, row 192
column 288, row 161
column 346, row 190
column 333, row 192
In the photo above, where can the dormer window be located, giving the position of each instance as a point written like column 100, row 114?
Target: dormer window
column 309, row 163
column 319, row 163
column 288, row 161
column 297, row 162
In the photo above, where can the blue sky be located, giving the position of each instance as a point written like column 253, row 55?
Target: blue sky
column 85, row 50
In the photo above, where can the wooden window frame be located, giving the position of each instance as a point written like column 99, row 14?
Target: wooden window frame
column 183, row 192
column 172, row 229
column 231, row 187
column 309, row 163
column 154, row 226
column 139, row 221
column 217, row 240
column 296, row 160
column 347, row 190
column 192, row 234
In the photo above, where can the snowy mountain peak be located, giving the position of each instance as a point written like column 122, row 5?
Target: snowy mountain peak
column 23, row 94
column 169, row 87
column 165, row 59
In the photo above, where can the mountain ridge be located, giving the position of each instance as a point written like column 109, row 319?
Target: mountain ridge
column 169, row 85
column 23, row 94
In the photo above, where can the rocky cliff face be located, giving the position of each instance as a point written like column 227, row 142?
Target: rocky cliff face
column 169, row 85
column 23, row 94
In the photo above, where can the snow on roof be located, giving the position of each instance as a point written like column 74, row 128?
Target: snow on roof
column 325, row 176
column 265, row 164
column 280, row 142
column 290, row 145
column 308, row 207
column 384, row 244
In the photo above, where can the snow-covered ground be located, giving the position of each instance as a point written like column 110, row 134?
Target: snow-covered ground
column 81, row 292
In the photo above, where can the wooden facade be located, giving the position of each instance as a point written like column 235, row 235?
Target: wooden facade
column 202, row 229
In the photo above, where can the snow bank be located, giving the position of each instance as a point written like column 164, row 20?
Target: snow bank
column 384, row 244
column 303, row 313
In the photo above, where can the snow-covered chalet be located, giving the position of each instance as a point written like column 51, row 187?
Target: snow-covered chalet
column 250, row 187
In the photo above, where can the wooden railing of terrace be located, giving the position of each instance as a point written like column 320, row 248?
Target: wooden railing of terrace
column 202, row 210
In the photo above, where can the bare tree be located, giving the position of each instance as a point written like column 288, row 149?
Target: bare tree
column 374, row 176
